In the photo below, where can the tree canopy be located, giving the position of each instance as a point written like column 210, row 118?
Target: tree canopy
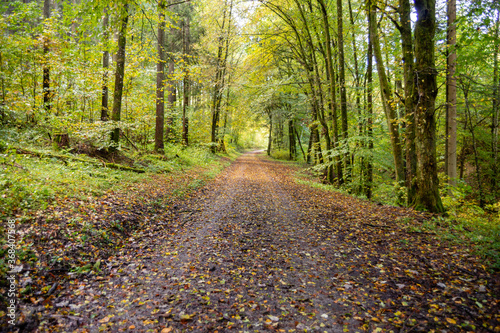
column 392, row 100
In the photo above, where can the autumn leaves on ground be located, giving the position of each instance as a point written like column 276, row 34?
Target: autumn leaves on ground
column 251, row 251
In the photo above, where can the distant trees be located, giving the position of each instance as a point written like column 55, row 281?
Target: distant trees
column 350, row 86
column 423, row 143
column 160, row 78
column 120, row 71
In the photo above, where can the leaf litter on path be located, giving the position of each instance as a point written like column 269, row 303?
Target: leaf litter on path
column 254, row 251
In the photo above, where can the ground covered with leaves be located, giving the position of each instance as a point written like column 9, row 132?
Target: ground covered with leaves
column 256, row 251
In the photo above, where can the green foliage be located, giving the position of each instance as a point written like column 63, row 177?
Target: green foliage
column 30, row 183
column 280, row 154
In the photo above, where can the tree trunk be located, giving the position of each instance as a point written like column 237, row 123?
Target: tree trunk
column 300, row 144
column 46, row 68
column 343, row 94
column 451, row 96
column 105, row 66
column 495, row 116
column 270, row 138
column 160, row 78
column 368, row 162
column 410, row 97
column 291, row 140
column 221, row 62
column 427, row 195
column 331, row 89
column 185, row 105
column 386, row 91
column 357, row 80
column 171, row 98
column 119, row 74
column 2, row 104
column 474, row 145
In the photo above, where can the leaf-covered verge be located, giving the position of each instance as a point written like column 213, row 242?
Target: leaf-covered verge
column 465, row 223
column 72, row 210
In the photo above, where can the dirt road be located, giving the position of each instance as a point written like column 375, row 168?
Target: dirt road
column 256, row 252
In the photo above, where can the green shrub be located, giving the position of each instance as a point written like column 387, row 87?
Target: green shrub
column 280, row 154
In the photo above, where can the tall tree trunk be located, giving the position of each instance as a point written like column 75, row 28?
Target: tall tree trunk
column 270, row 138
column 185, row 105
column 300, row 144
column 331, row 89
column 291, row 140
column 172, row 97
column 2, row 104
column 369, row 108
column 466, row 90
column 119, row 74
column 496, row 107
column 386, row 91
column 427, row 196
column 160, row 78
column 314, row 80
column 221, row 61
column 46, row 68
column 451, row 96
column 357, row 80
column 410, row 100
column 105, row 67
column 222, row 144
column 343, row 94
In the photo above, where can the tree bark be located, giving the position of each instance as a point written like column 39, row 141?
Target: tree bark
column 368, row 184
column 47, row 96
column 119, row 74
column 451, row 96
column 105, row 66
column 185, row 105
column 221, row 62
column 300, row 144
column 172, row 97
column 160, row 78
column 410, row 100
column 496, row 107
column 331, row 89
column 387, row 96
column 291, row 140
column 357, row 80
column 270, row 138
column 343, row 94
column 427, row 195
column 466, row 89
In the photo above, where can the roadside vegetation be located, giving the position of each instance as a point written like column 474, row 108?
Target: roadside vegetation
column 465, row 222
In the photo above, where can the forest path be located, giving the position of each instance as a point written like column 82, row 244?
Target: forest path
column 257, row 252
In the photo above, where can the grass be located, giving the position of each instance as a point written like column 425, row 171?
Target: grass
column 30, row 183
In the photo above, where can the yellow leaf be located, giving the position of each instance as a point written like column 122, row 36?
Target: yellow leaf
column 451, row 321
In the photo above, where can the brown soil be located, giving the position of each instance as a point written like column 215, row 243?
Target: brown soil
column 256, row 252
